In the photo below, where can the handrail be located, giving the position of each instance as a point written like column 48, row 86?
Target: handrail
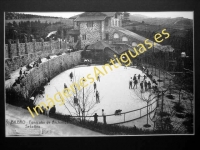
column 120, row 113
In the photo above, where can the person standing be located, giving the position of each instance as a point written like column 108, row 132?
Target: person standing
column 147, row 72
column 95, row 118
column 145, row 85
column 47, row 112
column 98, row 78
column 20, row 72
column 65, row 86
column 104, row 116
column 141, row 86
column 95, row 85
column 130, row 83
column 144, row 77
column 149, row 85
column 52, row 110
column 135, row 83
column 97, row 97
column 139, row 77
column 71, row 76
column 134, row 78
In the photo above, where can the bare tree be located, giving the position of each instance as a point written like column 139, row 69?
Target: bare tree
column 147, row 97
column 83, row 99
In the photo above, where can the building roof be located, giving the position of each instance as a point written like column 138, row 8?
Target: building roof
column 90, row 18
column 109, row 14
column 100, row 45
column 138, row 37
column 121, row 47
column 74, row 17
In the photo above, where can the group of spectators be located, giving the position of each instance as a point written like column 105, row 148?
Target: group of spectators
column 144, row 84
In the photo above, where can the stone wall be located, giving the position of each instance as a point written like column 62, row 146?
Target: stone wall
column 92, row 33
column 20, row 54
column 51, row 68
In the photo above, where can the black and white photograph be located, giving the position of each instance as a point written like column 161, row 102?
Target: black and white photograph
column 71, row 74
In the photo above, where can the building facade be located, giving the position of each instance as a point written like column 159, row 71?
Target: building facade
column 106, row 26
column 95, row 26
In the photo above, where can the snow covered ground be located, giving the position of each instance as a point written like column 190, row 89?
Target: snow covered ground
column 113, row 89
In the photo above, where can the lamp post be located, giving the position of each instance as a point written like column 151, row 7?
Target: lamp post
column 183, row 56
column 147, row 125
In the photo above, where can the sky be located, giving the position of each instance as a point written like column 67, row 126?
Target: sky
column 185, row 14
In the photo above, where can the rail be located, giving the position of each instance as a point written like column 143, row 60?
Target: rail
column 128, row 116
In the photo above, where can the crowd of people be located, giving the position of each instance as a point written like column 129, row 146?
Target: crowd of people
column 144, row 84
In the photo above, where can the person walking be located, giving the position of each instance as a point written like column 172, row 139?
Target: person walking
column 104, row 116
column 130, row 83
column 139, row 77
column 95, row 118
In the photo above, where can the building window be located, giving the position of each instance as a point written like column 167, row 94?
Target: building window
column 106, row 22
column 84, row 37
column 107, row 36
column 124, row 38
column 115, row 22
column 90, row 24
column 116, row 36
column 134, row 44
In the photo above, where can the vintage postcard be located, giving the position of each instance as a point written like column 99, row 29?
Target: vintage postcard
column 99, row 73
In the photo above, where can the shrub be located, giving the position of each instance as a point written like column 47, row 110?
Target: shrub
column 178, row 107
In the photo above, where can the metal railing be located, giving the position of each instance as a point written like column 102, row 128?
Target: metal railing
column 126, row 116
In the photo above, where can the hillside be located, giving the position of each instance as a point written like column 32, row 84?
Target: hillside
column 137, row 17
column 42, row 20
column 176, row 23
column 10, row 17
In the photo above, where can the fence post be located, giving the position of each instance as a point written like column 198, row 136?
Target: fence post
column 9, row 49
column 34, row 45
column 26, row 46
column 42, row 42
column 124, row 117
column 51, row 47
column 140, row 112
